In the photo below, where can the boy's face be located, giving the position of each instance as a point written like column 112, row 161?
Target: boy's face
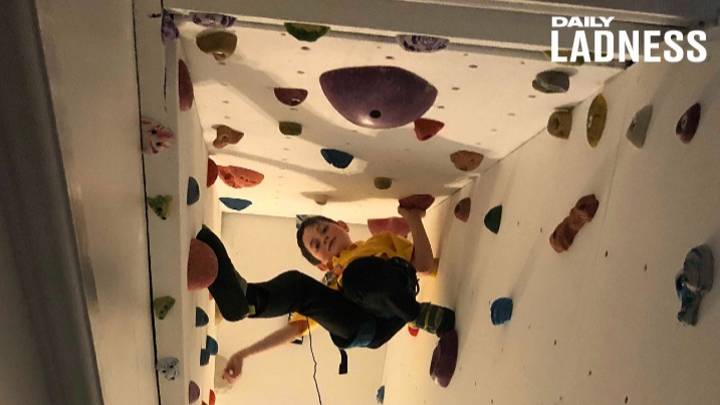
column 326, row 240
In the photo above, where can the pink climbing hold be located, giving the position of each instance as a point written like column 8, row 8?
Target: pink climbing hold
column 186, row 95
column 225, row 135
column 395, row 225
column 212, row 172
column 202, row 266
column 239, row 177
column 193, row 391
column 466, row 160
column 417, row 201
column 426, row 128
column 290, row 96
column 462, row 209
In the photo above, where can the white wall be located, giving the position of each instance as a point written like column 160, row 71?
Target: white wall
column 262, row 247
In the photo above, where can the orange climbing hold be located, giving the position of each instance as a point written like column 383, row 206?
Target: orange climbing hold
column 202, row 265
column 466, row 160
column 239, row 177
column 426, row 128
column 225, row 135
column 583, row 212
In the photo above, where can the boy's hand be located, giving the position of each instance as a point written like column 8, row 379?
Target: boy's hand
column 408, row 213
column 234, row 368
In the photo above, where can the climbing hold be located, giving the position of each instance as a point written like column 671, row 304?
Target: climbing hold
column 688, row 123
column 237, row 204
column 422, row 43
column 290, row 128
column 394, row 225
column 204, row 357
column 291, row 97
column 202, row 265
column 378, row 96
column 551, row 81
column 413, row 331
column 501, row 311
column 637, row 131
column 221, row 44
column 168, row 367
column 380, row 395
column 155, row 136
column 417, row 201
column 466, row 160
column 320, row 199
column 426, row 128
column 337, row 158
column 225, row 135
column 597, row 115
column 160, row 205
column 560, row 123
column 382, row 183
column 694, row 281
column 193, row 191
column 211, row 400
column 211, row 345
column 212, row 172
column 462, row 209
column 444, row 358
column 493, row 218
column 162, row 305
column 212, row 20
column 239, row 177
column 583, row 212
column 168, row 29
column 201, row 317
column 306, row 32
column 186, row 94
column 193, row 391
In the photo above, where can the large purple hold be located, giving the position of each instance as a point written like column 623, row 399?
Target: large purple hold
column 378, row 96
column 444, row 359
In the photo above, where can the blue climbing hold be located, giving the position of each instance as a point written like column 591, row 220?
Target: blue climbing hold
column 204, row 357
column 380, row 396
column 237, row 204
column 501, row 311
column 337, row 158
column 201, row 318
column 193, row 191
column 211, row 345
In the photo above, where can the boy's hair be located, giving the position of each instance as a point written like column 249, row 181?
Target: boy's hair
column 301, row 230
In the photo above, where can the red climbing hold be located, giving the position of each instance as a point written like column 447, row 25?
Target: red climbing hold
column 186, row 95
column 417, row 201
column 466, row 160
column 211, row 400
column 462, row 209
column 394, row 225
column 224, row 136
column 239, row 177
column 413, row 331
column 426, row 128
column 202, row 265
column 688, row 123
column 212, row 172
column 289, row 96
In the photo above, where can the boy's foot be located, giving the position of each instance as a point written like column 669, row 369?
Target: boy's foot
column 435, row 319
column 695, row 279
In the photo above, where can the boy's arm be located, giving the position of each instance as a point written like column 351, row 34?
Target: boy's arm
column 279, row 337
column 422, row 258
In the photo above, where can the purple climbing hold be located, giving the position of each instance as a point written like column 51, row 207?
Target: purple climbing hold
column 168, row 29
column 337, row 158
column 378, row 96
column 237, row 204
column 193, row 391
column 291, row 97
column 444, row 359
column 212, row 20
column 422, row 43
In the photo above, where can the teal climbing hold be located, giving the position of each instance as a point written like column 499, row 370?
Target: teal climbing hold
column 237, row 204
column 201, row 318
column 193, row 191
column 162, row 305
column 493, row 219
column 501, row 311
column 211, row 345
column 204, row 357
column 290, row 128
column 306, row 32
column 337, row 158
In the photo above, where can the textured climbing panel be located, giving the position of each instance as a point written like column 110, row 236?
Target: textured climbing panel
column 583, row 212
column 306, row 32
column 688, row 124
column 597, row 115
column 168, row 367
column 501, row 311
column 162, row 305
column 239, row 177
column 560, row 123
column 394, row 225
column 201, row 317
column 211, row 20
column 237, row 204
column 290, row 128
column 212, row 172
column 160, row 205
column 466, row 160
column 378, row 96
column 290, row 96
column 220, row 44
column 422, row 43
column 225, row 135
column 193, row 391
column 186, row 94
column 155, row 136
column 426, row 128
column 337, row 158
column 202, row 266
column 551, row 81
column 637, row 130
column 193, row 191
column 417, row 201
column 493, row 218
column 444, row 359
column 462, row 209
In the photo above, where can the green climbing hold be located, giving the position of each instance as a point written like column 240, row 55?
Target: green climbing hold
column 306, row 32
column 493, row 219
column 160, row 205
column 290, row 128
column 162, row 305
column 382, row 183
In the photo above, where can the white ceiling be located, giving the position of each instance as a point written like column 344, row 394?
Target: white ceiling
column 490, row 108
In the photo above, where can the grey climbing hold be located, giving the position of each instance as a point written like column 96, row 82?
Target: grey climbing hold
column 637, row 131
column 552, row 81
column 168, row 367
